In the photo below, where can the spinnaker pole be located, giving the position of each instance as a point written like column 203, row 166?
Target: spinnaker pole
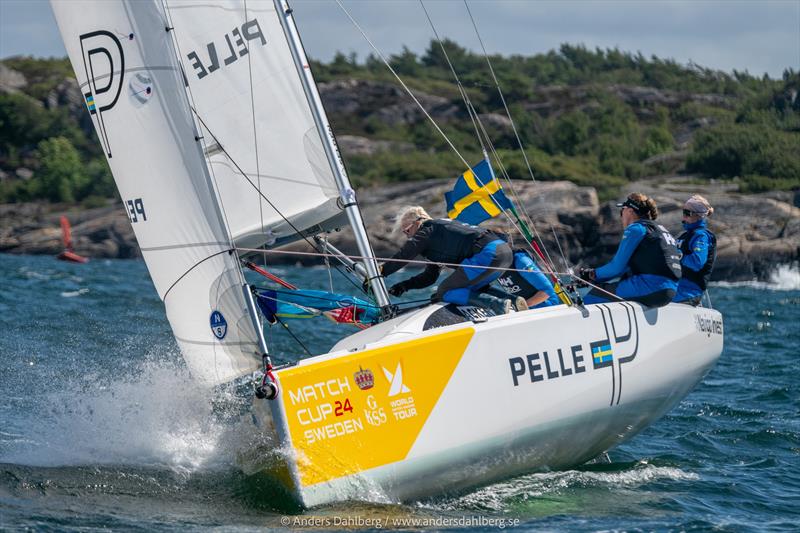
column 347, row 195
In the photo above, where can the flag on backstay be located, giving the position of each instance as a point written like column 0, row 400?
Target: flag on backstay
column 476, row 196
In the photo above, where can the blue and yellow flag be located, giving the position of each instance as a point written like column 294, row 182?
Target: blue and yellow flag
column 476, row 196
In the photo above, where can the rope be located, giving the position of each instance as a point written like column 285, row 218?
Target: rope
column 199, row 137
column 424, row 262
column 476, row 122
column 262, row 195
column 397, row 77
column 255, row 131
column 510, row 118
column 464, row 96
column 282, row 323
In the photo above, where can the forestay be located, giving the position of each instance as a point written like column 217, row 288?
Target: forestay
column 127, row 67
column 258, row 130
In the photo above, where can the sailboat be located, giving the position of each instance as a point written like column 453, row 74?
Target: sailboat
column 68, row 254
column 218, row 141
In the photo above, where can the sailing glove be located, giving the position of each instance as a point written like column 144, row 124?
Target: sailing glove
column 398, row 289
column 587, row 274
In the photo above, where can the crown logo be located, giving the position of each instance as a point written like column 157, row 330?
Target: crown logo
column 365, row 379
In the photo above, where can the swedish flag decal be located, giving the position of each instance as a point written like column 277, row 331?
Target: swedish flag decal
column 90, row 102
column 602, row 354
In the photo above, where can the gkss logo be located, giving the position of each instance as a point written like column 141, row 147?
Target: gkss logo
column 104, row 64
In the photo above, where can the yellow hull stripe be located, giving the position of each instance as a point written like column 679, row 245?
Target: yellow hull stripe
column 364, row 410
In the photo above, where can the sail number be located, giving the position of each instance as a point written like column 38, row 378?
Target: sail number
column 135, row 209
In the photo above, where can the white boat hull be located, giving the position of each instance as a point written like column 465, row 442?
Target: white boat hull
column 401, row 412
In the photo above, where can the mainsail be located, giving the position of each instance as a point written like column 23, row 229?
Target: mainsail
column 128, row 69
column 265, row 152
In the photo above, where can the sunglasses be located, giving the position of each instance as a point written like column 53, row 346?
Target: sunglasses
column 688, row 213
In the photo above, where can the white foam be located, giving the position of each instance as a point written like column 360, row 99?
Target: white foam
column 497, row 496
column 783, row 278
column 72, row 294
column 153, row 415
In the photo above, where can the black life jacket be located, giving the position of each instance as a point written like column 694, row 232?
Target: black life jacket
column 514, row 283
column 657, row 254
column 452, row 241
column 703, row 276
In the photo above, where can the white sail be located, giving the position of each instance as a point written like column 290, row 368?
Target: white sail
column 265, row 152
column 127, row 67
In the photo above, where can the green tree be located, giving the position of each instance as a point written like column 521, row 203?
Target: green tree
column 61, row 176
column 569, row 131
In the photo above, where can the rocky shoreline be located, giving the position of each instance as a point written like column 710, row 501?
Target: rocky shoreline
column 755, row 232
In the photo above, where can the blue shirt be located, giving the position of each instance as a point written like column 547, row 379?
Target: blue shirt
column 631, row 238
column 638, row 285
column 699, row 244
column 534, row 276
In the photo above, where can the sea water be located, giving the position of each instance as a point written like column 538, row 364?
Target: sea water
column 101, row 427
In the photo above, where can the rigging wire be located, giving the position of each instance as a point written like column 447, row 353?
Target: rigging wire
column 476, row 123
column 548, row 260
column 508, row 111
column 290, row 332
column 238, row 167
column 245, row 176
column 400, row 80
column 328, row 265
column 426, row 262
column 461, row 89
column 422, row 108
column 255, row 130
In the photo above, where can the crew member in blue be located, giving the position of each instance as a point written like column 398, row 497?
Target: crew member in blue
column 449, row 241
column 526, row 281
column 699, row 247
column 647, row 259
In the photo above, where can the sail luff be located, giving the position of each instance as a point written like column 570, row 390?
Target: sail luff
column 346, row 193
column 127, row 69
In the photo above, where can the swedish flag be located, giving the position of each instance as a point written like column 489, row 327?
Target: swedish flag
column 476, row 196
column 602, row 354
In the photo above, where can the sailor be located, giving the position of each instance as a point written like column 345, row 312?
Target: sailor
column 450, row 241
column 647, row 259
column 527, row 281
column 699, row 247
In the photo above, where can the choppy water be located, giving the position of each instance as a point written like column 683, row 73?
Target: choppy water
column 99, row 427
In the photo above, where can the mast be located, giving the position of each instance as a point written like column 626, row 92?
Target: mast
column 347, row 195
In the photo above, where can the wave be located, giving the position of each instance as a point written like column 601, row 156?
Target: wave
column 783, row 278
column 150, row 416
column 72, row 294
column 500, row 496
